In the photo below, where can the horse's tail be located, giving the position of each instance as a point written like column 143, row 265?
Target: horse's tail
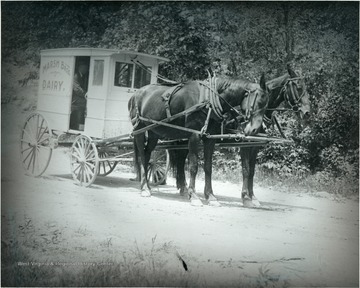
column 132, row 108
column 173, row 161
column 136, row 161
column 175, row 157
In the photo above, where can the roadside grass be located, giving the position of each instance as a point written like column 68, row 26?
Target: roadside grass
column 154, row 265
column 158, row 265
column 311, row 183
column 140, row 270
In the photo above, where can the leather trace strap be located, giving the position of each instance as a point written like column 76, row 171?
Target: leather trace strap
column 167, row 96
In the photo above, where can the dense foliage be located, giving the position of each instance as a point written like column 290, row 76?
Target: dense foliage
column 232, row 38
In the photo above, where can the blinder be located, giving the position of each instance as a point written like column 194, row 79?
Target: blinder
column 250, row 109
column 291, row 93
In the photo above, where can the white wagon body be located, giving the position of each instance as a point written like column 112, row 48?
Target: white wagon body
column 113, row 77
column 85, row 92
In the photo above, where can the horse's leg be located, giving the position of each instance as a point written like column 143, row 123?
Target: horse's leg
column 150, row 146
column 140, row 146
column 252, row 162
column 137, row 162
column 180, row 171
column 209, row 145
column 193, row 165
column 245, row 163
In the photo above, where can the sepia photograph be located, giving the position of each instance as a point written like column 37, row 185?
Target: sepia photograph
column 179, row 144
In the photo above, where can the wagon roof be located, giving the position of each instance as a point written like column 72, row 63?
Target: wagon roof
column 95, row 52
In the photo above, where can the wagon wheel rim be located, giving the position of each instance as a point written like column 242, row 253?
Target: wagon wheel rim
column 35, row 148
column 106, row 166
column 158, row 167
column 84, row 161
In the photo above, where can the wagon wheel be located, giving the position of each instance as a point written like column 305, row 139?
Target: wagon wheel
column 35, row 145
column 106, row 167
column 158, row 167
column 84, row 161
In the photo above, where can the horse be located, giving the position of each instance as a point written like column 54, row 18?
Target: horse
column 289, row 88
column 182, row 112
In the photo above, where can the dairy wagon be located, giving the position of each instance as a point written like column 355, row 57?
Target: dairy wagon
column 83, row 95
column 107, row 79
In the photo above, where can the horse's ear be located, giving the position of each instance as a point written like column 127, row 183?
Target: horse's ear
column 291, row 71
column 263, row 82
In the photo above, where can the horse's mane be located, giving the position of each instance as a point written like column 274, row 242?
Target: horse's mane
column 277, row 82
column 280, row 81
column 225, row 82
column 170, row 84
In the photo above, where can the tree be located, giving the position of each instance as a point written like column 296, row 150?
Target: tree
column 232, row 38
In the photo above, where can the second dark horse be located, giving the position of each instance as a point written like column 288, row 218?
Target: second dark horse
column 150, row 104
column 289, row 89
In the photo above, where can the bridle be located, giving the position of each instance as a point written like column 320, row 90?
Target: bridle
column 291, row 95
column 250, row 110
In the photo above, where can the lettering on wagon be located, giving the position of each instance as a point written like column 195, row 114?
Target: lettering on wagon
column 56, row 64
column 52, row 85
column 58, row 71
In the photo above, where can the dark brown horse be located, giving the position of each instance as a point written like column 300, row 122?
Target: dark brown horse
column 289, row 88
column 198, row 118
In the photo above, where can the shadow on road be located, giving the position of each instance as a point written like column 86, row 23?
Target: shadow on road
column 105, row 182
column 169, row 192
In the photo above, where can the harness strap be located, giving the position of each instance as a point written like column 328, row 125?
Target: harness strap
column 214, row 99
column 208, row 94
column 166, row 120
column 167, row 96
column 204, row 129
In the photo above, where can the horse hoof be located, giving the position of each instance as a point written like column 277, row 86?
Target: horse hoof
column 247, row 202
column 256, row 202
column 214, row 203
column 145, row 193
column 183, row 193
column 196, row 202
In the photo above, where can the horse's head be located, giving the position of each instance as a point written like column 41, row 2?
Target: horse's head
column 254, row 105
column 296, row 95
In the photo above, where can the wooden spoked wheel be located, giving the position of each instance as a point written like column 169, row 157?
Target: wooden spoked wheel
column 158, row 167
column 35, row 145
column 106, row 167
column 84, row 161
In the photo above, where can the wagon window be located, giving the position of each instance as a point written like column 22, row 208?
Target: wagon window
column 123, row 74
column 142, row 76
column 98, row 73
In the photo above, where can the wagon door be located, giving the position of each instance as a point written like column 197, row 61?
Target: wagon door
column 98, row 90
column 79, row 93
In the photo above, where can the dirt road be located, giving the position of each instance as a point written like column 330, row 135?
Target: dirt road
column 302, row 239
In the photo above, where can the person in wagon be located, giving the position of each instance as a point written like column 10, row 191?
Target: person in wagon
column 78, row 104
